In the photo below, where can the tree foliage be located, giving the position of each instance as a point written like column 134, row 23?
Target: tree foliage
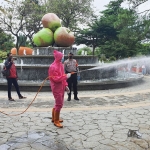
column 118, row 32
column 2, row 8
column 24, row 17
column 6, row 41
column 32, row 12
column 88, row 37
column 12, row 22
column 85, row 49
column 101, row 29
column 136, row 3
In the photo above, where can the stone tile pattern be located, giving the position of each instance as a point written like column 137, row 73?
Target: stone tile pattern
column 85, row 101
column 83, row 130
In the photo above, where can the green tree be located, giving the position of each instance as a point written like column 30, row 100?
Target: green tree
column 117, row 32
column 2, row 9
column 24, row 17
column 132, row 30
column 101, row 29
column 85, row 49
column 144, row 49
column 87, row 36
column 6, row 41
column 3, row 56
column 12, row 22
column 136, row 3
column 21, row 17
column 32, row 11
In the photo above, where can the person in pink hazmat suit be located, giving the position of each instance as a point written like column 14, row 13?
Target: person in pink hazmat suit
column 58, row 86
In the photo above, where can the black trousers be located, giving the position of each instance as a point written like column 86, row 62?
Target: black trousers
column 73, row 81
column 13, row 81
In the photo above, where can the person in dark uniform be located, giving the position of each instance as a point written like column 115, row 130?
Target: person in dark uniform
column 71, row 66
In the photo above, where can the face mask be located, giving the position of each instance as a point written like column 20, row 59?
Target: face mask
column 70, row 57
column 10, row 58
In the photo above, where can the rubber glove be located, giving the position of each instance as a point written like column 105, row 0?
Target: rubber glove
column 68, row 75
column 67, row 89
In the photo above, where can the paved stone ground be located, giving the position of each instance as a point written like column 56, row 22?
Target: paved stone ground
column 99, row 121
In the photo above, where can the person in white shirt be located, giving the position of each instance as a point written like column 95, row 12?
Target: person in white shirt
column 143, row 69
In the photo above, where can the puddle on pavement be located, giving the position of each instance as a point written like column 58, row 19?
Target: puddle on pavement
column 35, row 140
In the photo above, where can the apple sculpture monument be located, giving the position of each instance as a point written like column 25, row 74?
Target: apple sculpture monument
column 44, row 37
column 53, row 32
column 33, row 69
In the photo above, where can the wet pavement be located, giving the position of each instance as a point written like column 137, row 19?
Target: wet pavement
column 101, row 120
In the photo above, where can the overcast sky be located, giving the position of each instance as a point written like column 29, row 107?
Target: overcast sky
column 100, row 5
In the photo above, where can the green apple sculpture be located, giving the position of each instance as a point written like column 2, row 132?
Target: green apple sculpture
column 44, row 37
column 51, row 21
column 64, row 37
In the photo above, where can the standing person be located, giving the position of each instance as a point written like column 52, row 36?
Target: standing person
column 143, row 69
column 71, row 65
column 12, row 78
column 58, row 85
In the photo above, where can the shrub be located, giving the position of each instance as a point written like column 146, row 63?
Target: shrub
column 112, row 58
column 103, row 57
column 3, row 56
column 87, row 49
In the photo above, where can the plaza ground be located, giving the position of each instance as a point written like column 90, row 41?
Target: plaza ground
column 99, row 121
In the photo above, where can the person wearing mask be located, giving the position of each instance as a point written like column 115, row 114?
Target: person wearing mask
column 71, row 65
column 12, row 78
column 58, row 85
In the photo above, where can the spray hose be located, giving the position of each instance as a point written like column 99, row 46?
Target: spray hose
column 32, row 100
column 29, row 104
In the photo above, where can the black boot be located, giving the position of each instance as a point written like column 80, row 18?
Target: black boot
column 76, row 98
column 69, row 98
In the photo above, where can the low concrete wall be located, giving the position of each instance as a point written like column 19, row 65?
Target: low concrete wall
column 37, row 73
column 47, row 60
column 29, row 86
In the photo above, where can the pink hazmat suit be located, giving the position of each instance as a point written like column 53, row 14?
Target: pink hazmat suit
column 57, row 80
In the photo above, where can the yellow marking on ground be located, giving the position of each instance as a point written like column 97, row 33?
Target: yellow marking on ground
column 116, row 107
column 93, row 95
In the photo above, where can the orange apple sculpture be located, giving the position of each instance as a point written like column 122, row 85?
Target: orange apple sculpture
column 63, row 37
column 51, row 21
column 21, row 51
